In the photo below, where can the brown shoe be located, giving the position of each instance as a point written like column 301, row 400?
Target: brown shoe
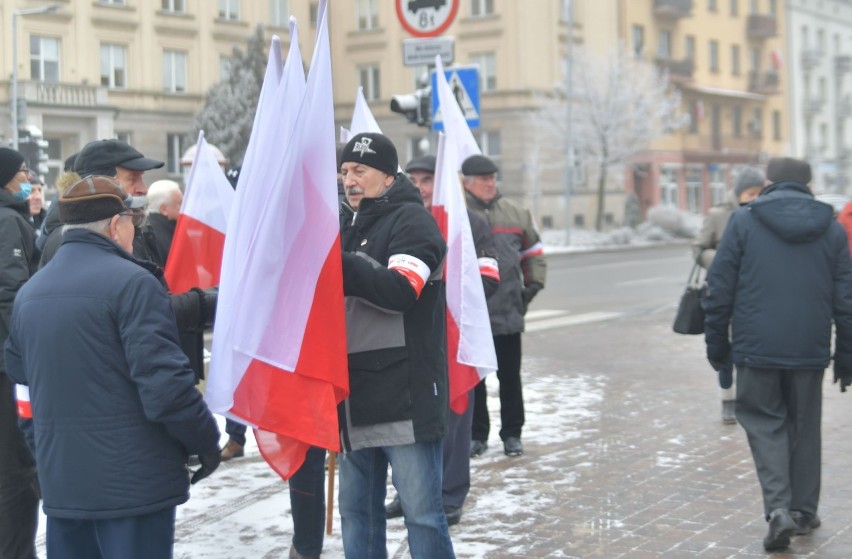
column 232, row 450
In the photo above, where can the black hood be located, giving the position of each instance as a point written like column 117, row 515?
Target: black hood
column 789, row 210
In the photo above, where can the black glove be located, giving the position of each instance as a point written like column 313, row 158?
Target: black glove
column 207, row 299
column 528, row 293
column 842, row 370
column 724, row 365
column 209, row 462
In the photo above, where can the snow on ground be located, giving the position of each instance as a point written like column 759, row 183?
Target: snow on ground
column 243, row 509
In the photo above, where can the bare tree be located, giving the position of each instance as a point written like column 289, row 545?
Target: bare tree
column 620, row 105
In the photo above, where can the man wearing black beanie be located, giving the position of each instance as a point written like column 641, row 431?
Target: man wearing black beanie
column 780, row 280
column 396, row 412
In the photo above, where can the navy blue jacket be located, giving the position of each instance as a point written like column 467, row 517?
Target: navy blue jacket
column 781, row 274
column 114, row 403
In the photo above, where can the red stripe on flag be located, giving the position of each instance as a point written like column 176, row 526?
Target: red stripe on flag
column 195, row 259
column 463, row 378
column 294, row 411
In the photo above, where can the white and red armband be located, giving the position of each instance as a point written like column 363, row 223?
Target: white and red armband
column 22, row 395
column 415, row 270
column 535, row 250
column 488, row 267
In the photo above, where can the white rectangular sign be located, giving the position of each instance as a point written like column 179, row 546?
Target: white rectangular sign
column 417, row 52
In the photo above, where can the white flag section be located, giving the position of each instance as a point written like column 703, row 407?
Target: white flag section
column 285, row 341
column 470, row 346
column 200, row 231
column 362, row 117
column 455, row 124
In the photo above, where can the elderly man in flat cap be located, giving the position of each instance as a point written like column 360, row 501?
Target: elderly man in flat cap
column 523, row 268
column 113, row 398
column 396, row 412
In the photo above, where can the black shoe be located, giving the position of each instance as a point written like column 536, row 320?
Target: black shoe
column 394, row 508
column 781, row 527
column 477, row 448
column 296, row 555
column 453, row 514
column 805, row 522
column 513, row 446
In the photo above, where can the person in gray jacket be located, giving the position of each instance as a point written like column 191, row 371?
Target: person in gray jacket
column 748, row 186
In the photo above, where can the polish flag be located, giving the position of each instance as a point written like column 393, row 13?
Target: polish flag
column 470, row 345
column 195, row 257
column 777, row 59
column 285, row 369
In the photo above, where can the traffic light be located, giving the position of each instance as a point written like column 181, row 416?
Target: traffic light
column 33, row 146
column 416, row 107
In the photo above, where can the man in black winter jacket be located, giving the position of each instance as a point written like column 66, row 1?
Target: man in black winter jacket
column 781, row 275
column 396, row 412
column 114, row 405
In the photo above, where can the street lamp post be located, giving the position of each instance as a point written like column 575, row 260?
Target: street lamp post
column 13, row 101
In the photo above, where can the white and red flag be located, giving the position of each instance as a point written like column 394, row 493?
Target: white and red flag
column 287, row 338
column 470, row 345
column 195, row 257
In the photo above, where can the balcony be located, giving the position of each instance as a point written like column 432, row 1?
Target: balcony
column 811, row 58
column 761, row 26
column 62, row 94
column 724, row 143
column 672, row 9
column 813, row 105
column 843, row 63
column 765, row 83
column 679, row 70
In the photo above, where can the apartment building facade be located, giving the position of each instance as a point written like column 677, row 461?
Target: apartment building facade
column 819, row 44
column 727, row 58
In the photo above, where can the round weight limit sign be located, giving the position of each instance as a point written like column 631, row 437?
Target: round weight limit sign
column 426, row 18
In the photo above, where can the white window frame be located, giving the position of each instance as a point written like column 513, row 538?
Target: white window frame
column 46, row 60
column 566, row 11
column 637, row 40
column 174, row 71
column 713, row 55
column 174, row 6
column 481, row 8
column 279, row 13
column 229, row 10
column 664, row 44
column 174, row 150
column 367, row 15
column 487, row 62
column 112, row 2
column 113, row 65
column 669, row 185
column 369, row 77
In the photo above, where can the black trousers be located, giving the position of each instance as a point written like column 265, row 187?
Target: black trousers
column 456, row 480
column 781, row 412
column 508, row 348
column 19, row 494
column 307, row 503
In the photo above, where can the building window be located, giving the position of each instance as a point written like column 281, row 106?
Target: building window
column 694, row 202
column 773, row 7
column 314, row 13
column 734, row 8
column 737, row 123
column 174, row 6
column 174, row 71
column 112, row 2
column 481, row 8
column 566, row 12
column 368, row 15
column 175, row 149
column 756, row 124
column 664, row 46
column 776, row 125
column 638, row 40
column 229, row 9
column 44, row 59
column 711, row 6
column 487, row 70
column 718, row 189
column 489, row 143
column 125, row 137
column 368, row 78
column 579, row 220
column 735, row 60
column 689, row 47
column 754, row 60
column 279, row 15
column 114, row 66
column 820, row 40
column 224, row 68
column 714, row 56
column 752, row 7
column 668, row 186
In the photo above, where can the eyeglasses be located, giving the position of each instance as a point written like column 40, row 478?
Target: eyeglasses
column 24, row 170
column 136, row 216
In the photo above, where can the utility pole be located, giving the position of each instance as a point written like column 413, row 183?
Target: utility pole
column 569, row 143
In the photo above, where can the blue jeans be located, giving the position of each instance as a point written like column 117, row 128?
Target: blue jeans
column 417, row 477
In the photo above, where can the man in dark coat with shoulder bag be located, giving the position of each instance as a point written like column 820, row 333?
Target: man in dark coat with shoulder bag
column 114, row 406
column 781, row 275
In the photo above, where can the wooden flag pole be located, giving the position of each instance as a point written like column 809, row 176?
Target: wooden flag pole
column 329, row 511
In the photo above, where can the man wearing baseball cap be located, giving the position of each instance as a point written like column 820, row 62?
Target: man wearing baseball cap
column 522, row 273
column 113, row 398
column 396, row 412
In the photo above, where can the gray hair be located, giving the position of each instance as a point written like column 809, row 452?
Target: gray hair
column 101, row 226
column 159, row 193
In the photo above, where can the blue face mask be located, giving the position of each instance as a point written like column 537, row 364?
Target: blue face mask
column 24, row 193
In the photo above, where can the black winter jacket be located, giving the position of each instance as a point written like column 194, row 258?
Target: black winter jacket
column 115, row 409
column 781, row 274
column 396, row 336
